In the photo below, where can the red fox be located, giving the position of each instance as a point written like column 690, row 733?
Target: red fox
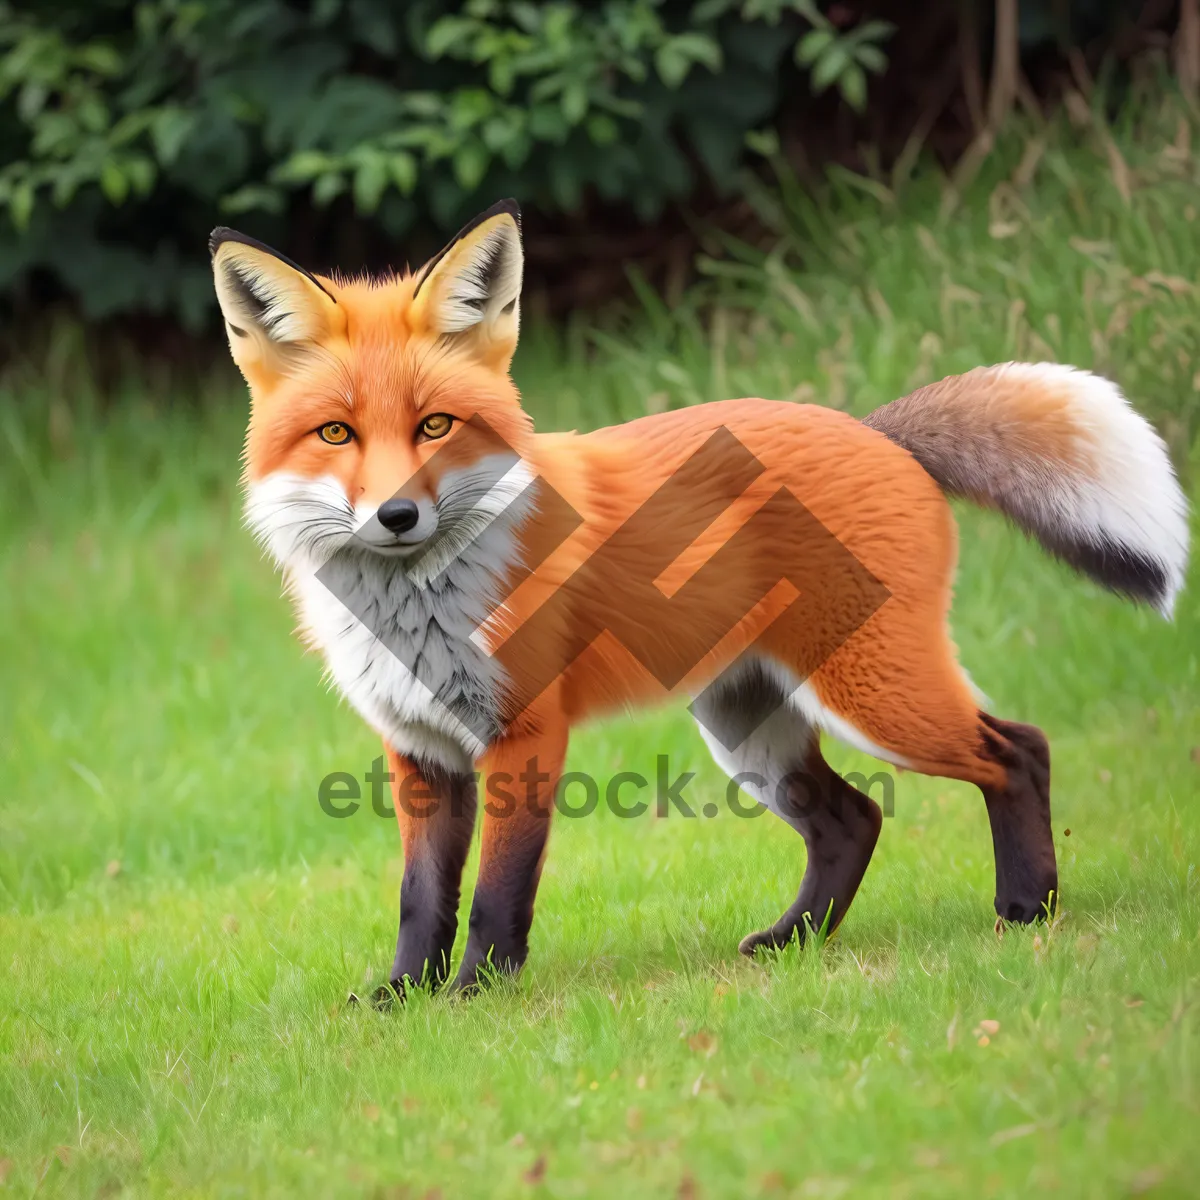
column 386, row 437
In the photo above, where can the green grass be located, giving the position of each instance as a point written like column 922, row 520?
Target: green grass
column 180, row 923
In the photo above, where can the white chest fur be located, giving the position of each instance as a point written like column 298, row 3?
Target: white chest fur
column 401, row 638
column 403, row 653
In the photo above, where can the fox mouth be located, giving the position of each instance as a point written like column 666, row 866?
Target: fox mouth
column 433, row 531
column 397, row 542
column 303, row 522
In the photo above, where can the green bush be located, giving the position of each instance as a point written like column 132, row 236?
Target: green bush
column 128, row 129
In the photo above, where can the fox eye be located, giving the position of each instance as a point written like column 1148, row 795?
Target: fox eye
column 437, row 425
column 335, row 433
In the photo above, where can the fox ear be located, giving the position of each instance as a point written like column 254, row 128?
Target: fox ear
column 272, row 307
column 472, row 289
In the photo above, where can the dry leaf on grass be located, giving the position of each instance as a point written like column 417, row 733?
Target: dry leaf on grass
column 1146, row 1179
column 1010, row 1135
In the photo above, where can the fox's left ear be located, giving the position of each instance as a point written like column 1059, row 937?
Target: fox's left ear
column 472, row 289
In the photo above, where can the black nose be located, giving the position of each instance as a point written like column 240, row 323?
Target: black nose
column 399, row 516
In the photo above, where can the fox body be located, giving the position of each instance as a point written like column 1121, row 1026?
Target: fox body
column 476, row 588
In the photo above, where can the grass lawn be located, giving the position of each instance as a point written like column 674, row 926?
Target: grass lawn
column 180, row 923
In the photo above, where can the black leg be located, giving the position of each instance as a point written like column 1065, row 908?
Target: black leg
column 513, row 844
column 436, row 811
column 1019, row 814
column 840, row 827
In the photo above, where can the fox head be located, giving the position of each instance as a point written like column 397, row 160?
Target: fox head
column 382, row 410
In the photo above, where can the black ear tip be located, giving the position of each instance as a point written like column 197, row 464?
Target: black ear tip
column 223, row 234
column 220, row 236
column 509, row 206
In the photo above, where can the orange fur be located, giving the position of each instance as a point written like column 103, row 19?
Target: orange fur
column 896, row 679
column 789, row 549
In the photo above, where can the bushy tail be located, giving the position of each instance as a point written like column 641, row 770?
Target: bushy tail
column 1062, row 454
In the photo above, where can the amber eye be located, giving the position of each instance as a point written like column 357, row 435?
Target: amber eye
column 335, row 433
column 437, row 426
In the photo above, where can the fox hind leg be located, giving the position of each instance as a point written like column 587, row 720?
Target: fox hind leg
column 1019, row 814
column 921, row 712
column 775, row 754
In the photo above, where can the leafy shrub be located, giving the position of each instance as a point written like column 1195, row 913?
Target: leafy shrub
column 128, row 129
column 125, row 127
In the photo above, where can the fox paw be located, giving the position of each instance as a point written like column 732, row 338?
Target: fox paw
column 382, row 998
column 767, row 939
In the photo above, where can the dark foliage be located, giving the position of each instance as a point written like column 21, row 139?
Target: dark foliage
column 360, row 131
